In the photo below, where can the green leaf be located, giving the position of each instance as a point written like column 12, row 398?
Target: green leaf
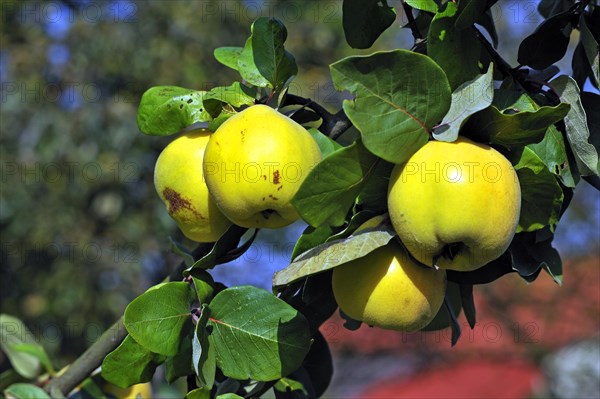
column 326, row 144
column 552, row 151
column 454, row 49
column 400, row 95
column 529, row 254
column 334, row 253
column 229, row 396
column 226, row 243
column 541, row 195
column 203, row 352
column 228, row 56
column 256, row 335
column 487, row 21
column 13, row 333
column 311, row 237
column 264, row 62
column 37, row 351
column 468, row 13
column 576, row 126
column 360, row 219
column 290, row 385
column 591, row 47
column 200, row 393
column 235, row 95
column 425, row 5
column 467, row 99
column 591, row 102
column 225, row 114
column 548, row 43
column 365, row 20
column 513, row 130
column 318, row 363
column 130, row 364
column 157, row 319
column 204, row 284
column 330, row 189
column 373, row 195
column 25, row 391
column 165, row 110
column 180, row 365
column 182, row 251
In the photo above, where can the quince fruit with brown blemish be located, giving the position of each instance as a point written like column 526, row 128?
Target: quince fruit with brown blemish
column 179, row 182
column 254, row 164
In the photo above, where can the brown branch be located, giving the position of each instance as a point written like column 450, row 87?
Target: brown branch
column 412, row 24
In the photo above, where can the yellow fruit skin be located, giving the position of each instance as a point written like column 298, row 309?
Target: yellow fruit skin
column 387, row 289
column 461, row 193
column 254, row 164
column 180, row 184
column 138, row 391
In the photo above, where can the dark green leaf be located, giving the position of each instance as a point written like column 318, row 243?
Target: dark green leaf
column 400, row 95
column 334, row 253
column 182, row 251
column 529, row 255
column 157, row 319
column 580, row 65
column 590, row 45
column 365, row 20
column 467, row 99
column 576, row 126
column 469, row 12
column 442, row 319
column 256, row 335
column 130, row 364
column 14, row 333
column 541, row 195
column 229, row 396
column 228, row 56
column 318, row 363
column 552, row 151
column 226, row 243
column 548, row 8
column 235, row 95
column 331, row 187
column 180, row 365
column 360, row 219
column 468, row 303
column 453, row 322
column 165, row 110
column 513, row 130
column 487, row 21
column 454, row 49
column 373, row 195
column 326, row 144
column 548, row 43
column 25, row 391
column 591, row 103
column 264, row 62
column 311, row 237
column 203, row 352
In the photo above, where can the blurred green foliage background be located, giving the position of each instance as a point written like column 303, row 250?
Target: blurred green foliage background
column 82, row 230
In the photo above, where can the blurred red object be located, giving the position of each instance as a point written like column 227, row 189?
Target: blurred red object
column 473, row 379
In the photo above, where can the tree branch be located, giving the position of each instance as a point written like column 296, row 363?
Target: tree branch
column 89, row 361
column 92, row 358
column 412, row 24
column 334, row 125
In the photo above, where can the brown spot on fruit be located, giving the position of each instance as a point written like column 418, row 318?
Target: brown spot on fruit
column 272, row 197
column 177, row 202
column 276, row 177
column 280, row 187
column 243, row 133
column 264, row 177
